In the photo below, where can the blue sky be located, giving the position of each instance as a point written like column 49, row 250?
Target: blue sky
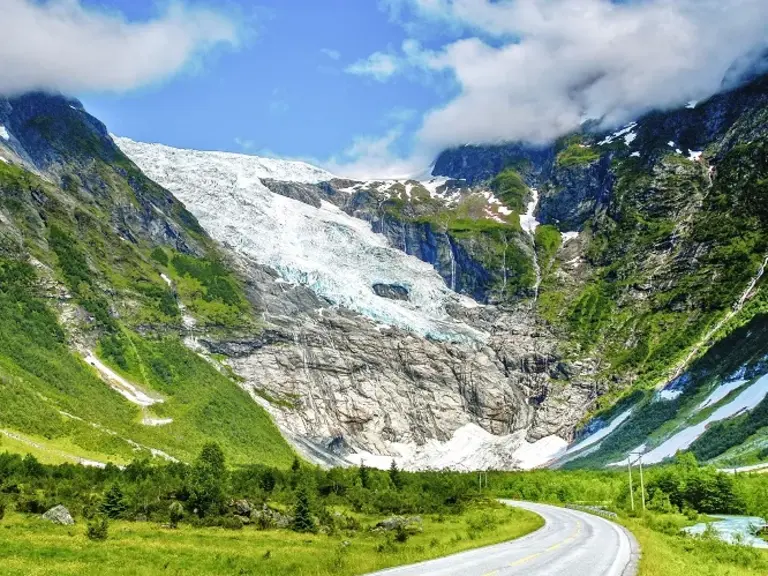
column 283, row 90
column 372, row 88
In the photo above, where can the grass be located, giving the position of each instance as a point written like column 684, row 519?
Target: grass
column 577, row 155
column 31, row 546
column 666, row 552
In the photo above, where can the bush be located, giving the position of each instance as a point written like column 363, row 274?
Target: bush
column 98, row 529
column 401, row 534
column 175, row 514
column 2, row 510
column 159, row 256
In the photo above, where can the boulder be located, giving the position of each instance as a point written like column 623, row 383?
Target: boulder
column 59, row 515
column 412, row 525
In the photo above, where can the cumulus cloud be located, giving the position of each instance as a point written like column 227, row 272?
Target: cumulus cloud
column 532, row 70
column 62, row 45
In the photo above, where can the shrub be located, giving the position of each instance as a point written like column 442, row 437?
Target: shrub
column 175, row 514
column 159, row 256
column 401, row 534
column 98, row 529
column 2, row 510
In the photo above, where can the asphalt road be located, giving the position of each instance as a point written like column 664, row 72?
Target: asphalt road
column 571, row 543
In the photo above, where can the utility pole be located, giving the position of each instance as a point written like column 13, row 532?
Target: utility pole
column 642, row 484
column 631, row 494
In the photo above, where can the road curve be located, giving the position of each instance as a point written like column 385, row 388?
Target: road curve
column 570, row 543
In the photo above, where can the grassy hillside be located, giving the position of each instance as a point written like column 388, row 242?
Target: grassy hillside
column 109, row 263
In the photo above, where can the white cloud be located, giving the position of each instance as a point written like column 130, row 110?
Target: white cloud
column 63, row 46
column 371, row 157
column 533, row 68
column 380, row 66
column 331, row 53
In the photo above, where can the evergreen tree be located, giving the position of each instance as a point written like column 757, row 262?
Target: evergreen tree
column 365, row 475
column 394, row 475
column 114, row 503
column 208, row 481
column 302, row 512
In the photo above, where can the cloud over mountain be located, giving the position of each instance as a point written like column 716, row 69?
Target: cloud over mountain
column 64, row 46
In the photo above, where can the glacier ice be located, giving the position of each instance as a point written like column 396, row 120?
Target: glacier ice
column 336, row 255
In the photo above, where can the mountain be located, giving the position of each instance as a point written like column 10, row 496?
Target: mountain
column 605, row 292
column 100, row 271
column 385, row 360
column 662, row 264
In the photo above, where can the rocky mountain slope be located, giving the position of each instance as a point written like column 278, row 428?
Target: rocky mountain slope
column 665, row 247
column 383, row 359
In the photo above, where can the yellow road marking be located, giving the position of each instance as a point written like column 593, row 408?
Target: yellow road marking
column 526, row 559
column 550, row 549
column 491, row 573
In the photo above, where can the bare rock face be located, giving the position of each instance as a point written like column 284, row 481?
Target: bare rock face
column 338, row 383
column 59, row 515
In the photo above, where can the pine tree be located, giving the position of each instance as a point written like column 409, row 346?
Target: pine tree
column 365, row 475
column 302, row 512
column 295, row 473
column 394, row 475
column 114, row 503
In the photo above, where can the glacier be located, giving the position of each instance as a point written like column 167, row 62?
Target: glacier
column 336, row 255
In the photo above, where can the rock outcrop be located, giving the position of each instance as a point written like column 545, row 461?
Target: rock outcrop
column 59, row 515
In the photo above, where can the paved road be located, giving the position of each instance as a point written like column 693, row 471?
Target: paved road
column 571, row 543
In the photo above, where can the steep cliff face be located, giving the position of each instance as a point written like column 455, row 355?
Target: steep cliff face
column 352, row 387
column 478, row 164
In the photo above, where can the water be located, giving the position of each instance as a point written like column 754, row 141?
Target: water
column 734, row 530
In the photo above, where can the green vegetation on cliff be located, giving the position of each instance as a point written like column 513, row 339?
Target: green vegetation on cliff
column 511, row 189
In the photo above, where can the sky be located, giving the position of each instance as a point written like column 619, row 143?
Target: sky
column 371, row 88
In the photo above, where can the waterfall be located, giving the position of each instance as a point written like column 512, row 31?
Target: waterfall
column 529, row 223
column 453, row 266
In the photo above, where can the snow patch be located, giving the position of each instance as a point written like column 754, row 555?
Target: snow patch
column 154, row 422
column 166, row 280
column 692, row 104
column 721, row 392
column 629, row 138
column 695, row 156
column 119, row 384
column 568, row 236
column 669, row 395
column 624, row 132
column 470, row 448
column 671, row 143
column 528, row 221
column 747, row 400
column 635, row 155
column 4, row 133
column 600, row 434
